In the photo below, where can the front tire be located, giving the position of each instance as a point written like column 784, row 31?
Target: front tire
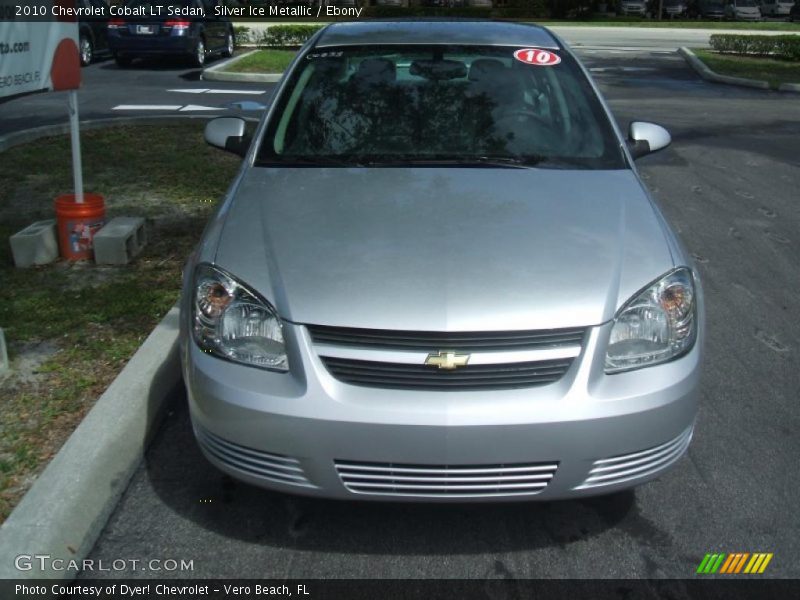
column 86, row 50
column 229, row 45
column 199, row 55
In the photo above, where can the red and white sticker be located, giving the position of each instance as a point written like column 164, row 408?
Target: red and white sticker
column 535, row 56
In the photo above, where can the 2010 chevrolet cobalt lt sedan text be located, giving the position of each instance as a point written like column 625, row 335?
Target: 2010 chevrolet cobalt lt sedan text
column 438, row 276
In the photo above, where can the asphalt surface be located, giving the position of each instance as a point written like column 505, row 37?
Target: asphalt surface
column 154, row 87
column 728, row 184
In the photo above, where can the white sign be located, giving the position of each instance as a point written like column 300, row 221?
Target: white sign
column 37, row 50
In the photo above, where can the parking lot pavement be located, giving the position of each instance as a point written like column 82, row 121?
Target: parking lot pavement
column 163, row 87
column 729, row 185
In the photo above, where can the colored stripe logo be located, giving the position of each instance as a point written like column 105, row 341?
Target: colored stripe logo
column 731, row 564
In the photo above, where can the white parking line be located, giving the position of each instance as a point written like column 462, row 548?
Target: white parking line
column 195, row 108
column 148, row 107
column 191, row 91
column 252, row 92
column 215, row 91
column 177, row 107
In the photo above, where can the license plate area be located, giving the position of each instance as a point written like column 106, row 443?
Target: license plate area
column 145, row 30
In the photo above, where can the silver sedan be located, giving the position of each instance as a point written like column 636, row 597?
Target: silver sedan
column 438, row 276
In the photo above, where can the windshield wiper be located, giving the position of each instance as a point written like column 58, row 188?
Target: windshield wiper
column 309, row 161
column 527, row 161
column 505, row 162
column 519, row 162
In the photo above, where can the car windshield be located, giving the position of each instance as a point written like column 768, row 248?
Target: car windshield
column 745, row 3
column 399, row 105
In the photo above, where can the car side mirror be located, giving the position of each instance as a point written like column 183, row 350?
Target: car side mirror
column 228, row 133
column 644, row 138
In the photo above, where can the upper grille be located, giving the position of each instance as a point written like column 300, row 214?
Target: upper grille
column 396, row 359
column 433, row 340
column 424, row 377
column 463, row 481
column 626, row 467
column 264, row 465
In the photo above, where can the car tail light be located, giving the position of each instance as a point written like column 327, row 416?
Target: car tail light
column 116, row 23
column 178, row 24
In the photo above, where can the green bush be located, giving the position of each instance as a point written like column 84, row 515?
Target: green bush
column 776, row 46
column 287, row 35
column 788, row 46
column 242, row 35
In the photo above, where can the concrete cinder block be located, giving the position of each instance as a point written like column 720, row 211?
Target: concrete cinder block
column 35, row 245
column 119, row 241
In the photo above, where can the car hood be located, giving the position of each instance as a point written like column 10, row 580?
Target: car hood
column 443, row 249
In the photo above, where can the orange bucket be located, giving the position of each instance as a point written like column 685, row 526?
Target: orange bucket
column 77, row 224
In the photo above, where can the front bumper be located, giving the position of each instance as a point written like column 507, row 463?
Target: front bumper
column 308, row 433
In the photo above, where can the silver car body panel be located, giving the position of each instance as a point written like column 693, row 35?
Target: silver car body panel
column 391, row 252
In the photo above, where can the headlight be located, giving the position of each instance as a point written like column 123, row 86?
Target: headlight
column 656, row 325
column 233, row 322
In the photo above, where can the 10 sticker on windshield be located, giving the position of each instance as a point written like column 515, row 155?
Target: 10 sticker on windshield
column 535, row 56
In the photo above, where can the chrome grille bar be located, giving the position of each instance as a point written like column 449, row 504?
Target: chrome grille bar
column 444, row 480
column 619, row 469
column 264, row 465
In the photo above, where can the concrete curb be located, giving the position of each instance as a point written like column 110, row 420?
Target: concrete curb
column 29, row 135
column 709, row 75
column 218, row 73
column 71, row 501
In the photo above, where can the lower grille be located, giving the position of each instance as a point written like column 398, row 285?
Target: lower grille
column 626, row 467
column 264, row 465
column 389, row 479
column 423, row 377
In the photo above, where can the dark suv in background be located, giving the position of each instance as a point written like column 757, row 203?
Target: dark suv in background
column 191, row 35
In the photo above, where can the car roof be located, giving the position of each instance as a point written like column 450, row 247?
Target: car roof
column 412, row 32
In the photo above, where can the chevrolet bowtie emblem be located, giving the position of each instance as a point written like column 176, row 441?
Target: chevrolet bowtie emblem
column 447, row 360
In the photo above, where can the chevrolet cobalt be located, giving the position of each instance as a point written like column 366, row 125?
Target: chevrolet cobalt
column 438, row 276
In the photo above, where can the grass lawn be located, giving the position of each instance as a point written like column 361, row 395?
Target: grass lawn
column 766, row 69
column 263, row 61
column 71, row 327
